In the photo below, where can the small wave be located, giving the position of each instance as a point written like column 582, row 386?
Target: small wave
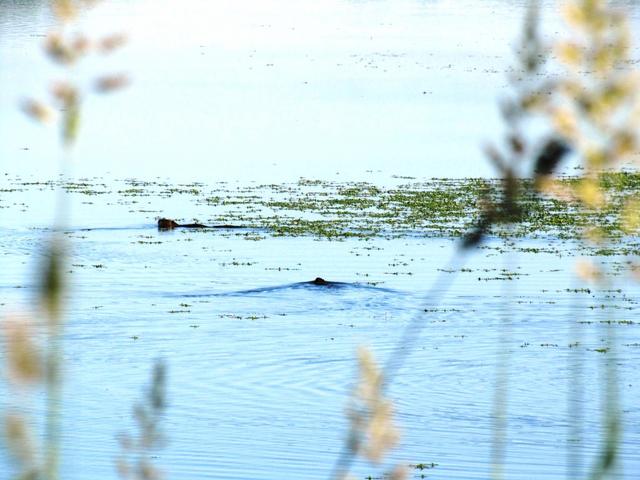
column 307, row 286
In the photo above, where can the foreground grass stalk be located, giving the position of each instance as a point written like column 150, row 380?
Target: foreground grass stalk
column 501, row 390
column 135, row 462
column 356, row 442
column 597, row 108
column 52, row 298
column 605, row 464
column 575, row 397
column 65, row 48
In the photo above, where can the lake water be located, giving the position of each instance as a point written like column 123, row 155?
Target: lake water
column 275, row 90
column 259, row 365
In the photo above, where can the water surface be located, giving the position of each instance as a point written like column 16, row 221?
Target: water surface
column 274, row 90
column 260, row 364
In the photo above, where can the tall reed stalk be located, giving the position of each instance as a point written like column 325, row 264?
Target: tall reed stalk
column 66, row 48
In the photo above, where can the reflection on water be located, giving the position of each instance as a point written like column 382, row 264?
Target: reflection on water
column 274, row 90
column 260, row 360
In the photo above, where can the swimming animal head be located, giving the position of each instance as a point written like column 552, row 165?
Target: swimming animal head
column 166, row 224
column 319, row 281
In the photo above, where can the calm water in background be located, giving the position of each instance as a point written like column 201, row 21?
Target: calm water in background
column 258, row 381
column 274, row 90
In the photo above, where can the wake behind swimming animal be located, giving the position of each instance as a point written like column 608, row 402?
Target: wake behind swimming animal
column 168, row 224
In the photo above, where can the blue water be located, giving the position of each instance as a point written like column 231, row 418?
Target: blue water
column 273, row 90
column 260, row 363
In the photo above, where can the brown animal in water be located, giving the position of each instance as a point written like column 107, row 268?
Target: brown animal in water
column 168, row 224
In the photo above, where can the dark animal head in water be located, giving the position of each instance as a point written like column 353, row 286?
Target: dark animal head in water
column 319, row 281
column 166, row 224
